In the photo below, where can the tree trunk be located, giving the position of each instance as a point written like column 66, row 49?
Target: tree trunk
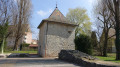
column 105, row 45
column 2, row 47
column 117, row 45
column 100, row 49
column 16, row 45
column 117, row 29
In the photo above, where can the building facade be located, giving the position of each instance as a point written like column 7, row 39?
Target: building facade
column 56, row 33
column 27, row 37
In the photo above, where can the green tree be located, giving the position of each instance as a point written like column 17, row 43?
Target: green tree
column 3, row 35
column 80, row 17
column 102, row 39
column 94, row 39
column 84, row 43
column 6, row 15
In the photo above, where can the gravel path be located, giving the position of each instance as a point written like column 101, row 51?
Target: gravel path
column 34, row 62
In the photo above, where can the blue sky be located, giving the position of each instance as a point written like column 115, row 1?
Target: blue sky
column 43, row 8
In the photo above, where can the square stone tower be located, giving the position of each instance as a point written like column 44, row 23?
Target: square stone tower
column 56, row 34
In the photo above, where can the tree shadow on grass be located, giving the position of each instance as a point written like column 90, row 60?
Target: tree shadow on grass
column 113, row 60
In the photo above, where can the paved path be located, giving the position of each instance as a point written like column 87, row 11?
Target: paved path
column 34, row 62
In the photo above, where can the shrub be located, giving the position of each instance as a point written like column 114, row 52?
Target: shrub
column 94, row 40
column 0, row 45
column 25, row 45
column 84, row 43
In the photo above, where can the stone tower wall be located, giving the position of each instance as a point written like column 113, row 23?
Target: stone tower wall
column 42, row 40
column 59, row 36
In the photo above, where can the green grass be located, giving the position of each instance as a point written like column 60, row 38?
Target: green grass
column 111, row 58
column 30, row 52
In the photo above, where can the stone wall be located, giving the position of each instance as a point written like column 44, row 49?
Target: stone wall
column 83, row 59
column 41, row 42
column 59, row 36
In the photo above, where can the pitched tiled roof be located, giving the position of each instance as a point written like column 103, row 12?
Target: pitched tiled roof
column 33, row 45
column 57, row 16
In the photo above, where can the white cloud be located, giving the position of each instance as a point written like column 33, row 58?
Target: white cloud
column 44, row 13
column 90, row 1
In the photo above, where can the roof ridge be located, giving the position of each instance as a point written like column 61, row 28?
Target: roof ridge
column 57, row 16
column 52, row 13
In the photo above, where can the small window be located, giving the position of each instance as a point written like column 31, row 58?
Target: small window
column 69, row 32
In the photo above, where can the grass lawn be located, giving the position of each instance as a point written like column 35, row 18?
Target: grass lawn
column 111, row 57
column 30, row 52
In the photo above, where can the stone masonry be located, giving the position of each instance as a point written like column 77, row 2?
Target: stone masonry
column 56, row 33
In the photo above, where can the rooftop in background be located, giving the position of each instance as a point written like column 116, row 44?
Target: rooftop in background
column 33, row 45
column 34, row 41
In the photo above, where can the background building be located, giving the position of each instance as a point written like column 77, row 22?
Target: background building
column 27, row 37
column 34, row 41
column 34, row 44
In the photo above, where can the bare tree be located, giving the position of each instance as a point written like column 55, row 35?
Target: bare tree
column 6, row 7
column 104, row 15
column 114, row 8
column 21, row 20
column 98, row 34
